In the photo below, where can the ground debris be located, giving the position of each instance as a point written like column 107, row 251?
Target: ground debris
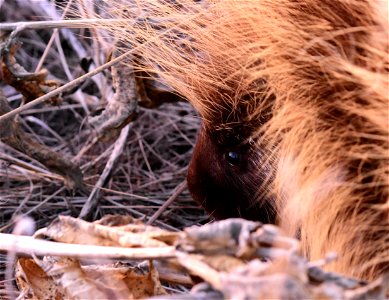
column 12, row 134
column 211, row 254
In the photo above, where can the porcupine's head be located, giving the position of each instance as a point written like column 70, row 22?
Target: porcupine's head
column 227, row 174
column 213, row 66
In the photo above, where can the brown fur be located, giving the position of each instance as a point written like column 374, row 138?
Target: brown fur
column 300, row 90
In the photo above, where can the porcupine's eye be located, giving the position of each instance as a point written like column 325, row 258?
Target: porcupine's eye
column 233, row 158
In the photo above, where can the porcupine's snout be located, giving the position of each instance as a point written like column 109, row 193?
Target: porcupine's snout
column 223, row 178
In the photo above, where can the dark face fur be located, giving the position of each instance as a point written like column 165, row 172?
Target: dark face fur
column 223, row 176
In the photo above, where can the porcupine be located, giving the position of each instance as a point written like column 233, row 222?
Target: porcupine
column 293, row 96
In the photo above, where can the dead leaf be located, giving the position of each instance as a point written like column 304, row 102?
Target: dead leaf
column 70, row 230
column 144, row 285
column 223, row 263
column 79, row 284
column 103, row 281
column 41, row 286
column 30, row 85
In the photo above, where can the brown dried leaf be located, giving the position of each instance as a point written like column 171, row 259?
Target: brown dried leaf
column 71, row 230
column 278, row 286
column 75, row 231
column 152, row 232
column 197, row 267
column 30, row 85
column 171, row 271
column 30, row 276
column 117, row 220
column 103, row 281
column 223, row 263
column 67, row 279
column 153, row 92
column 144, row 285
column 224, row 237
column 81, row 284
column 238, row 237
column 130, row 224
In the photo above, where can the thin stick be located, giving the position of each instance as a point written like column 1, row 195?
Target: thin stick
column 57, row 24
column 179, row 189
column 25, row 245
column 65, row 87
column 93, row 198
column 50, row 43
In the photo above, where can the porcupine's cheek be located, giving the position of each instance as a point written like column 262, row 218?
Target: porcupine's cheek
column 225, row 190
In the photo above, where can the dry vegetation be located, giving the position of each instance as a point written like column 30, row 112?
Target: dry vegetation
column 151, row 166
column 128, row 169
column 153, row 161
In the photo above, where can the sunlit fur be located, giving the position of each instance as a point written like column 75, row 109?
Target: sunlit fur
column 318, row 71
